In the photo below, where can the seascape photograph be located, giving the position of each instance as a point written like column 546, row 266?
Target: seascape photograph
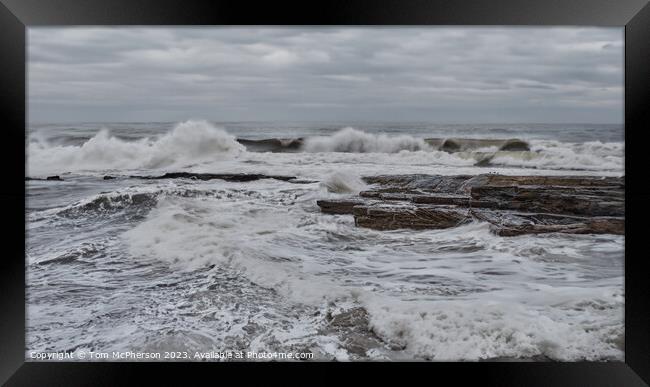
column 325, row 194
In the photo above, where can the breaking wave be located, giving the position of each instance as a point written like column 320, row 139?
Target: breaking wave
column 482, row 318
column 198, row 142
column 256, row 266
column 189, row 142
column 483, row 329
column 356, row 141
column 593, row 155
column 343, row 182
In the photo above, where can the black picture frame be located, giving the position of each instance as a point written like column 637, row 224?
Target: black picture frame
column 17, row 15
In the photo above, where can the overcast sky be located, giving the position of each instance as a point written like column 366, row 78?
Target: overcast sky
column 455, row 74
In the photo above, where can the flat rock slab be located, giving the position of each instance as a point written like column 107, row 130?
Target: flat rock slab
column 591, row 226
column 419, row 182
column 511, row 223
column 235, row 177
column 49, row 178
column 513, row 205
column 463, row 183
column 584, row 181
column 593, row 201
column 391, row 217
column 338, row 206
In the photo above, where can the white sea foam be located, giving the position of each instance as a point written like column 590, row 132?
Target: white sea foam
column 595, row 155
column 356, row 141
column 483, row 329
column 343, row 182
column 189, row 142
column 189, row 234
column 197, row 145
column 256, row 265
column 473, row 297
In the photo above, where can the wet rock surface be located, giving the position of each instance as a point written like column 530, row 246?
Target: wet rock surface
column 235, row 177
column 452, row 145
column 338, row 206
column 232, row 177
column 272, row 144
column 391, row 217
column 49, row 178
column 513, row 205
column 353, row 329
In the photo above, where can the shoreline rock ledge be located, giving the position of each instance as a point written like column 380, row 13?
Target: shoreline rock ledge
column 513, row 205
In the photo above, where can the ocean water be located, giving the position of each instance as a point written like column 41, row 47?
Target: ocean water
column 130, row 264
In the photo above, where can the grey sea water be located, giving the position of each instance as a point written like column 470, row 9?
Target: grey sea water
column 182, row 265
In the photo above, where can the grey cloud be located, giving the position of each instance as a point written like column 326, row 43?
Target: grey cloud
column 460, row 74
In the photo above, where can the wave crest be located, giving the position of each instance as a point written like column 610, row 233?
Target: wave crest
column 343, row 182
column 356, row 141
column 189, row 142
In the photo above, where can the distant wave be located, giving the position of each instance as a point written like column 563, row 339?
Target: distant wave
column 594, row 155
column 350, row 140
column 189, row 142
column 355, row 141
column 197, row 142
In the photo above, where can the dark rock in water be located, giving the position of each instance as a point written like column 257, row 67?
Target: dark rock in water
column 387, row 191
column 62, row 259
column 554, row 199
column 104, row 203
column 606, row 225
column 589, row 226
column 444, row 199
column 272, row 144
column 418, row 183
column 49, row 178
column 391, row 217
column 515, row 145
column 450, row 145
column 353, row 328
column 338, row 206
column 513, row 205
column 302, row 181
column 581, row 181
column 234, row 177
column 517, row 223
column 140, row 198
column 350, row 318
column 392, row 196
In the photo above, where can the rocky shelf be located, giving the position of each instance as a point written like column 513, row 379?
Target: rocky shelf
column 513, row 205
column 49, row 178
column 231, row 177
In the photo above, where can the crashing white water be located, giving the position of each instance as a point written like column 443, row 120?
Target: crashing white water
column 200, row 146
column 355, row 141
column 473, row 297
column 198, row 265
column 189, row 142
